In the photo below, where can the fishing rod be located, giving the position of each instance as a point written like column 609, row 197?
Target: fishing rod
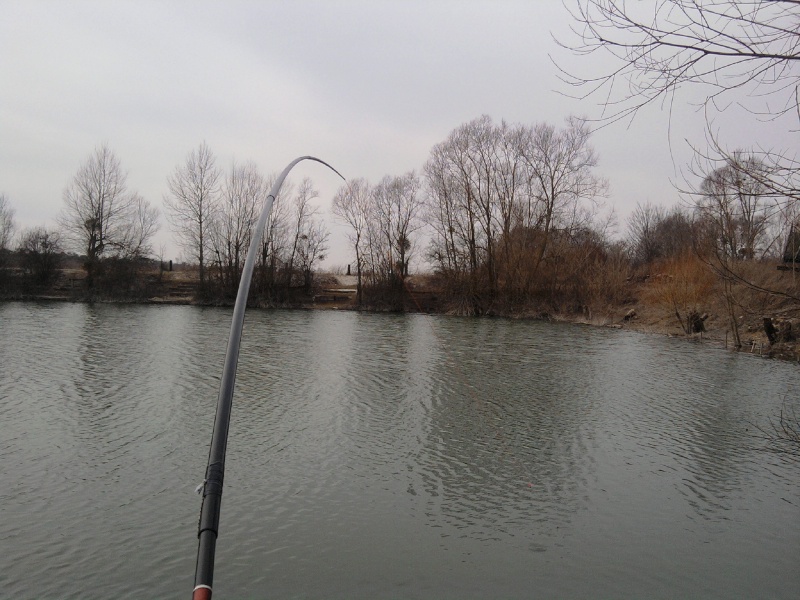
column 208, row 527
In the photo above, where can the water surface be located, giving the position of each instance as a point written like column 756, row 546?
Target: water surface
column 388, row 457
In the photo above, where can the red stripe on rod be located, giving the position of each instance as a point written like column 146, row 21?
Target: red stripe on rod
column 201, row 592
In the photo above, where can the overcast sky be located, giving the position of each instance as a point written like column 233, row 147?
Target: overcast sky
column 368, row 86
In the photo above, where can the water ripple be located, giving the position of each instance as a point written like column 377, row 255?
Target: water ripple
column 387, row 456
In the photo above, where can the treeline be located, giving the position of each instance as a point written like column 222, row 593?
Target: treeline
column 507, row 216
column 741, row 221
column 39, row 254
column 212, row 213
column 103, row 224
column 514, row 213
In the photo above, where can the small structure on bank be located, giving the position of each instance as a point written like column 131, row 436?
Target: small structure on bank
column 791, row 252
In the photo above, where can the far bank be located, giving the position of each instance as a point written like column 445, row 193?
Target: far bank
column 647, row 301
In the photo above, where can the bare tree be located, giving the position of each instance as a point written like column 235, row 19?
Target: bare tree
column 352, row 203
column 499, row 194
column 642, row 225
column 734, row 204
column 307, row 236
column 737, row 52
column 191, row 203
column 398, row 203
column 739, row 219
column 243, row 192
column 142, row 226
column 274, row 243
column 656, row 233
column 457, row 246
column 482, row 137
column 101, row 217
column 659, row 46
column 475, row 180
column 7, row 225
column 742, row 52
column 395, row 216
column 311, row 247
column 41, row 253
column 561, row 166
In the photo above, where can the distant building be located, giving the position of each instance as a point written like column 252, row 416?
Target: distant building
column 791, row 252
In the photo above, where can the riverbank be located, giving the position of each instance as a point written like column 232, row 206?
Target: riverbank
column 646, row 314
column 644, row 310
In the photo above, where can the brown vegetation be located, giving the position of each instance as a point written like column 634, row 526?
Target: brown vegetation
column 678, row 296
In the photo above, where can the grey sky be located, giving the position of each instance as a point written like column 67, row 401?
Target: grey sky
column 368, row 86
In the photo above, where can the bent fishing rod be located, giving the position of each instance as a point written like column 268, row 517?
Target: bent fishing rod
column 208, row 528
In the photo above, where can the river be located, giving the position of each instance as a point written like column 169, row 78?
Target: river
column 388, row 456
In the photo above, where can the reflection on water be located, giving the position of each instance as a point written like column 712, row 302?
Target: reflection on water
column 388, row 456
